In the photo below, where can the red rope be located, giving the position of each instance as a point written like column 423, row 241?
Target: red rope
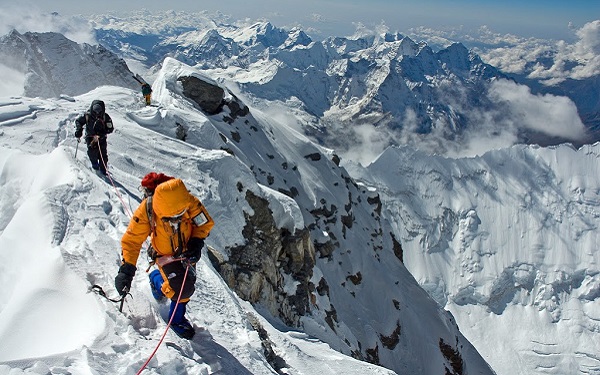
column 168, row 324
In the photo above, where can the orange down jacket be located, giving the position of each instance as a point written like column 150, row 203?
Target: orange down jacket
column 170, row 198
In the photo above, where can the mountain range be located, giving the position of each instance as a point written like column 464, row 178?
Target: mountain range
column 404, row 89
column 323, row 242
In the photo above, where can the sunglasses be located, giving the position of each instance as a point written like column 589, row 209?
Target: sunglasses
column 175, row 218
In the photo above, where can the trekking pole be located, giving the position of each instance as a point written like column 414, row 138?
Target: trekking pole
column 136, row 78
column 77, row 147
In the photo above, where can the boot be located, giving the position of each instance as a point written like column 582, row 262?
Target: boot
column 179, row 324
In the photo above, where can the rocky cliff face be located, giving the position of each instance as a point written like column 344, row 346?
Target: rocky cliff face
column 273, row 268
column 338, row 264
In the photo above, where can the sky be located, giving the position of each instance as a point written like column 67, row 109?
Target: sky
column 536, row 18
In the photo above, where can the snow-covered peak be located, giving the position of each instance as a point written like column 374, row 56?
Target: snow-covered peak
column 263, row 33
column 296, row 37
column 408, row 47
column 34, row 55
column 456, row 56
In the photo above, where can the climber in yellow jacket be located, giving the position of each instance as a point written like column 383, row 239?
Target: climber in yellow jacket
column 177, row 223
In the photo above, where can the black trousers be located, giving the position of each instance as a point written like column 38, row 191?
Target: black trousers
column 97, row 153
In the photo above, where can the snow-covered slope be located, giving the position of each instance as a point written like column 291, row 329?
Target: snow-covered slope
column 505, row 241
column 60, row 234
column 67, row 222
column 509, row 243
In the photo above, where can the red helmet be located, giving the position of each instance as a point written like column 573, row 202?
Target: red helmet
column 152, row 180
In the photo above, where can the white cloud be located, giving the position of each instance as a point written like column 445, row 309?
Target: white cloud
column 547, row 60
column 30, row 19
column 317, row 17
column 589, row 43
column 371, row 141
column 515, row 111
column 549, row 114
column 588, row 49
column 556, row 60
column 12, row 82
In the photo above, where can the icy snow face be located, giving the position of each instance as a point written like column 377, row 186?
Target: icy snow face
column 512, row 232
column 325, row 200
column 545, row 200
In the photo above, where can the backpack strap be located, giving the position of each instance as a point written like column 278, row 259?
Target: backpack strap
column 150, row 212
column 150, row 250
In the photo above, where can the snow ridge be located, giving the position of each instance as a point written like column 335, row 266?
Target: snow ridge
column 226, row 156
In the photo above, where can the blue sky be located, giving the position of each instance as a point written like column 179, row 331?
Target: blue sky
column 538, row 18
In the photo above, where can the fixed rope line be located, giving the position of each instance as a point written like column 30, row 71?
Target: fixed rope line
column 112, row 182
column 168, row 324
column 123, row 298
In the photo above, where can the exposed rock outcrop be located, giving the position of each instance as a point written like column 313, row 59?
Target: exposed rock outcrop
column 273, row 268
column 212, row 98
column 209, row 97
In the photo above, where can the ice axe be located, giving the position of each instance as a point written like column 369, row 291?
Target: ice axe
column 137, row 79
column 98, row 289
column 126, row 292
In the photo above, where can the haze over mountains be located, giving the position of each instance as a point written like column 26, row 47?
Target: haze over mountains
column 504, row 240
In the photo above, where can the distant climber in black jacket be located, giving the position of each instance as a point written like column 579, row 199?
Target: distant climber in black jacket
column 97, row 125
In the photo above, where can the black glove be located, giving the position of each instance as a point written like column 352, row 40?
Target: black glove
column 78, row 133
column 194, row 249
column 124, row 278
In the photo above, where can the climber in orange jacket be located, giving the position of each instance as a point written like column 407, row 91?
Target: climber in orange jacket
column 177, row 223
